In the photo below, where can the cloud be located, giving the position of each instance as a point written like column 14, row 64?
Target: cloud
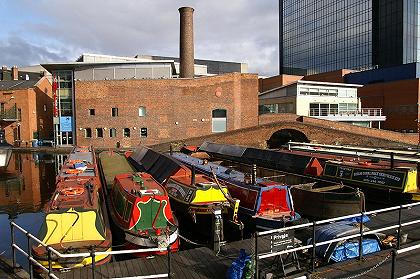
column 17, row 51
column 235, row 30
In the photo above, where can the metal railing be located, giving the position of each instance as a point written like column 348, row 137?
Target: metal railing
column 50, row 250
column 396, row 251
column 340, row 112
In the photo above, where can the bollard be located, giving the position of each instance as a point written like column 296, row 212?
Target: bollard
column 394, row 262
column 92, row 255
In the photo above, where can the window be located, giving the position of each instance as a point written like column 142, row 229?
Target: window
column 126, row 132
column 142, row 111
column 45, row 107
column 99, row 132
column 114, row 112
column 91, row 111
column 88, row 132
column 219, row 120
column 143, row 132
column 2, row 108
column 112, row 133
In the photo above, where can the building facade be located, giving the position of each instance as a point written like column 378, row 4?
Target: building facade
column 111, row 101
column 322, row 36
column 323, row 100
column 26, row 110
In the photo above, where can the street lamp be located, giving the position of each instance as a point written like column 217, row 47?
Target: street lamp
column 5, row 149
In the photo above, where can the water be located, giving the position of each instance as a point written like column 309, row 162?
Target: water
column 25, row 186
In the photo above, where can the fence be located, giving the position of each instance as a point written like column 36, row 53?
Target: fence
column 33, row 262
column 395, row 251
column 340, row 112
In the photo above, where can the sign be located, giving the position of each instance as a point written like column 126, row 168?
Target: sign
column 66, row 124
column 377, row 177
column 54, row 91
column 282, row 241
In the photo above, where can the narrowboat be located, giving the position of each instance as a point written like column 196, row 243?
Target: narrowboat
column 327, row 201
column 139, row 206
column 197, row 197
column 267, row 203
column 76, row 218
column 381, row 179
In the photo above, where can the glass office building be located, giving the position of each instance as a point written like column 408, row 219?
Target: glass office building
column 325, row 35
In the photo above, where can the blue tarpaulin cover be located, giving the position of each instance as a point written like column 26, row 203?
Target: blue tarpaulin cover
column 342, row 250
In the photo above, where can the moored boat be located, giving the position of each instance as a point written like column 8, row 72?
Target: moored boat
column 327, row 202
column 76, row 219
column 139, row 206
column 207, row 202
column 267, row 203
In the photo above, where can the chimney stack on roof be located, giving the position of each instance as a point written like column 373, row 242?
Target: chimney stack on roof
column 15, row 73
column 186, row 43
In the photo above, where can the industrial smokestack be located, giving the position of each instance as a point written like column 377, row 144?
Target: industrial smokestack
column 186, row 43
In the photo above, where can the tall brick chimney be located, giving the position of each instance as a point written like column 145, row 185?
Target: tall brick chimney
column 15, row 73
column 186, row 43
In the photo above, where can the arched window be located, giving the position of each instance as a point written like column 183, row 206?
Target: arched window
column 142, row 111
column 112, row 133
column 99, row 132
column 219, row 120
column 126, row 132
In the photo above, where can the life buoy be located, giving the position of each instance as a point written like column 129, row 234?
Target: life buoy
column 77, row 191
column 73, row 171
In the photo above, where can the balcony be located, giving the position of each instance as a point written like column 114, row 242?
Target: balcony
column 334, row 114
column 9, row 115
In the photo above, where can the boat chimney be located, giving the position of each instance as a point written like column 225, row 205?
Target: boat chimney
column 186, row 43
column 193, row 175
column 254, row 174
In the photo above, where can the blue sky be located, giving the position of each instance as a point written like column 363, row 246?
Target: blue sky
column 42, row 31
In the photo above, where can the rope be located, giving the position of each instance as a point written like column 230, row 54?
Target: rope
column 362, row 273
column 190, row 241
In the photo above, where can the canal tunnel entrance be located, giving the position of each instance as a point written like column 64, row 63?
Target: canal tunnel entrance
column 283, row 136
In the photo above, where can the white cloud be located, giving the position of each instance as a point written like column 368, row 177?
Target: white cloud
column 235, row 30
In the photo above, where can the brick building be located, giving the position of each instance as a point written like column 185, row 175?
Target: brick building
column 26, row 110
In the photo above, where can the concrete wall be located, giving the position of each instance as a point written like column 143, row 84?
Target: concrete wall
column 176, row 108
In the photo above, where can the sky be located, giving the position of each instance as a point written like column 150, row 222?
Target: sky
column 40, row 31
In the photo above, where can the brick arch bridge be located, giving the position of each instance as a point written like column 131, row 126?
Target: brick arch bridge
column 315, row 130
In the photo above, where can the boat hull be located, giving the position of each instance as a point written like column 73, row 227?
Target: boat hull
column 327, row 204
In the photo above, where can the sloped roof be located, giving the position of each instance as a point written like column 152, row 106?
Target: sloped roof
column 17, row 84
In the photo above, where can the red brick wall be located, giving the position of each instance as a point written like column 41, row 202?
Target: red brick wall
column 176, row 108
column 334, row 76
column 265, row 84
column 399, row 102
column 31, row 103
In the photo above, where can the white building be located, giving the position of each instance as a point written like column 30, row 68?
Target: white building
column 324, row 100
